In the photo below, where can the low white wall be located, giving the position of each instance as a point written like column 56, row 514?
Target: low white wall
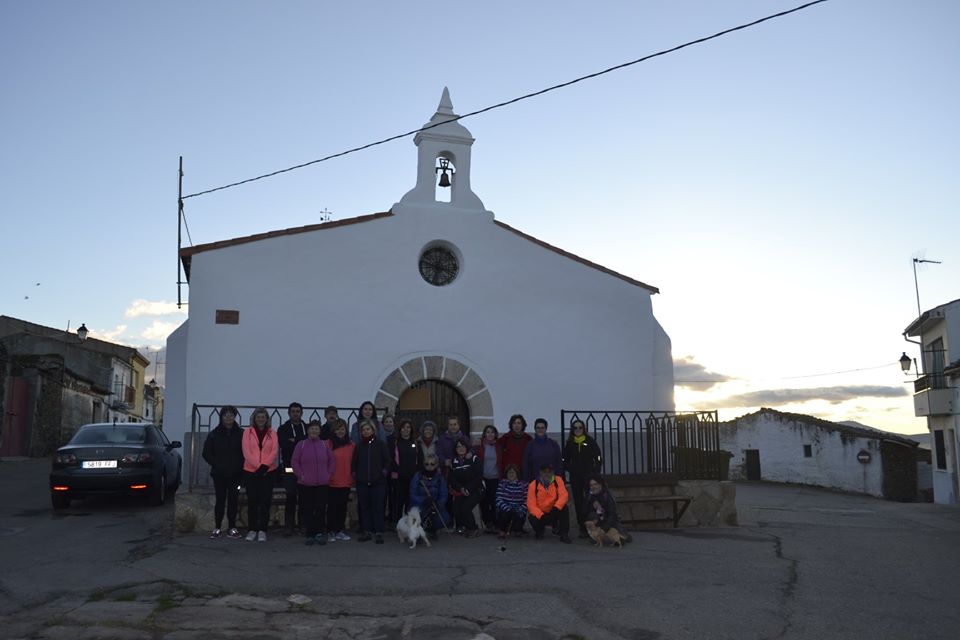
column 780, row 441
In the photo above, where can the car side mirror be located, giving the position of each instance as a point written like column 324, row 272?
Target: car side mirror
column 176, row 444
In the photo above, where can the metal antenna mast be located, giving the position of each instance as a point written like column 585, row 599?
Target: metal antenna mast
column 916, row 287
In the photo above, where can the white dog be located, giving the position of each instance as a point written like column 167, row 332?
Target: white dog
column 410, row 529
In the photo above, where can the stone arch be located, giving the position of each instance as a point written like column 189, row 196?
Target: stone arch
column 450, row 370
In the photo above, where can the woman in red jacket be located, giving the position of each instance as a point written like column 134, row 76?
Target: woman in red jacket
column 260, row 448
column 513, row 444
column 340, row 483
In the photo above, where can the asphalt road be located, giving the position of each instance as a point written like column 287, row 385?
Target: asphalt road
column 805, row 563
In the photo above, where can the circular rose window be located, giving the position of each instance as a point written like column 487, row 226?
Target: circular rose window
column 439, row 266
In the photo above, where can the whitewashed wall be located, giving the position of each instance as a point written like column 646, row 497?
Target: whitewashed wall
column 326, row 315
column 780, row 441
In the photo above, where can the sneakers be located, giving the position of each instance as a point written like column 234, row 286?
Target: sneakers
column 364, row 537
column 320, row 538
column 233, row 533
column 215, row 534
column 261, row 536
column 342, row 536
column 378, row 539
column 565, row 539
column 251, row 536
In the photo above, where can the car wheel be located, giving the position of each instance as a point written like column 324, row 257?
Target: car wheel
column 159, row 492
column 60, row 501
column 176, row 482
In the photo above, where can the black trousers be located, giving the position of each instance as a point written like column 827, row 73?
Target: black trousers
column 227, row 491
column 511, row 521
column 463, row 511
column 401, row 496
column 259, row 496
column 391, row 496
column 578, row 487
column 291, row 514
column 313, row 508
column 488, row 508
column 337, row 508
column 557, row 517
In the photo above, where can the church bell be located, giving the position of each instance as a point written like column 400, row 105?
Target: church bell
column 443, row 168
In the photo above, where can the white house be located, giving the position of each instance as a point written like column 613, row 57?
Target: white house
column 788, row 447
column 937, row 393
column 427, row 295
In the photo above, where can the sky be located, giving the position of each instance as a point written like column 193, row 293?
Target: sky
column 775, row 184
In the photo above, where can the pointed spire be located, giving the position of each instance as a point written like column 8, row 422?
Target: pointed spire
column 446, row 106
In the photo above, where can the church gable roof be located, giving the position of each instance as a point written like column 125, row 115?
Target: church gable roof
column 577, row 258
column 187, row 253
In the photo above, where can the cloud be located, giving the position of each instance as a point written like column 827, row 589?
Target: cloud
column 141, row 307
column 159, row 330
column 693, row 375
column 113, row 335
column 833, row 395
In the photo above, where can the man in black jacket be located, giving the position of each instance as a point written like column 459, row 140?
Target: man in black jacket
column 289, row 434
column 223, row 451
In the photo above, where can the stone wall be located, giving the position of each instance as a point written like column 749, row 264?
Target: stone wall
column 713, row 504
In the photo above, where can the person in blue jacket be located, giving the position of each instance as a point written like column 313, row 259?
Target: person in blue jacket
column 428, row 492
column 541, row 451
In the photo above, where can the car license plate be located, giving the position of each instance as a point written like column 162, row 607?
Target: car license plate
column 99, row 464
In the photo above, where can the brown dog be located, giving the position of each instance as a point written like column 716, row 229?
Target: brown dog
column 596, row 533
column 615, row 537
column 601, row 538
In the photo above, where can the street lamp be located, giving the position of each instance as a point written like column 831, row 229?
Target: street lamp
column 905, row 362
column 82, row 332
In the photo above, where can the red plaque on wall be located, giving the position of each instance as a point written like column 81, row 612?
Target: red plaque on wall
column 228, row 316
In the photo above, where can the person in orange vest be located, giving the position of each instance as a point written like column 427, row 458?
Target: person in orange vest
column 547, row 499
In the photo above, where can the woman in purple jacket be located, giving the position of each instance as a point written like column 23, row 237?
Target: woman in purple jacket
column 313, row 465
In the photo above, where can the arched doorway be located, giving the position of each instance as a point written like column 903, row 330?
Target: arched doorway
column 432, row 400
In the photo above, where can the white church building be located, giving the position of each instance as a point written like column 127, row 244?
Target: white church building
column 461, row 301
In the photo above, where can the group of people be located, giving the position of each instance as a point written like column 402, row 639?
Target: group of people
column 513, row 478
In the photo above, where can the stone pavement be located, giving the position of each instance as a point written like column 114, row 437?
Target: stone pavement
column 804, row 563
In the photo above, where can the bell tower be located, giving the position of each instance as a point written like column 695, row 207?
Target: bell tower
column 443, row 156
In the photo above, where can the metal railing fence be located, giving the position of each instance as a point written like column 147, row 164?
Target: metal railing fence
column 683, row 445
column 206, row 417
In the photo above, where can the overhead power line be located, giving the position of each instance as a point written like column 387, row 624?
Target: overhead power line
column 515, row 100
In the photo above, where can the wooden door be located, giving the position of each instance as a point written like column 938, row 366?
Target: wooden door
column 13, row 439
column 432, row 400
column 753, row 464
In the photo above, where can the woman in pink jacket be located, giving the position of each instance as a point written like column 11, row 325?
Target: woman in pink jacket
column 260, row 448
column 313, row 466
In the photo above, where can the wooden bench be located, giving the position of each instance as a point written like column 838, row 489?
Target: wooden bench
column 623, row 487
